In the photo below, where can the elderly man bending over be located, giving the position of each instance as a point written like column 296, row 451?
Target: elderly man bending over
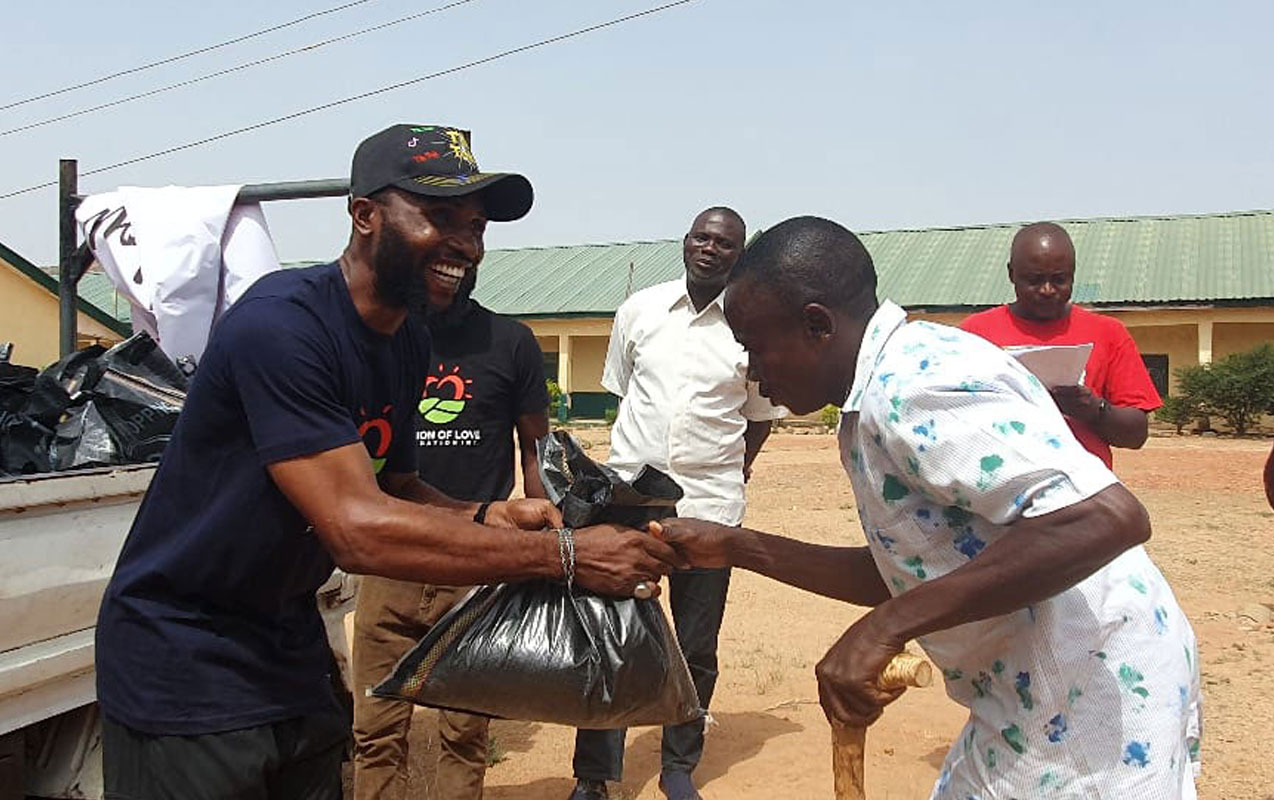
column 1011, row 553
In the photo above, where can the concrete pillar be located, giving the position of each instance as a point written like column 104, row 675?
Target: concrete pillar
column 564, row 374
column 1205, row 342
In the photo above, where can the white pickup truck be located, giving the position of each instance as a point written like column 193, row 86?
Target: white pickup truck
column 60, row 535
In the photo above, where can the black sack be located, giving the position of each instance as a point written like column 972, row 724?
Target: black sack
column 83, row 440
column 544, row 652
column 589, row 493
column 58, row 385
column 24, row 445
column 31, row 404
column 15, row 386
column 138, row 393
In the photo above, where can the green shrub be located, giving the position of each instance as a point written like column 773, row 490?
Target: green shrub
column 1238, row 388
column 829, row 416
column 1178, row 411
column 555, row 397
column 611, row 415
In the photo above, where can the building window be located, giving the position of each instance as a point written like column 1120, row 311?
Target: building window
column 1157, row 366
column 550, row 366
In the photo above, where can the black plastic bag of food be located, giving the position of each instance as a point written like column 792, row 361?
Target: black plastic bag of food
column 83, row 440
column 94, row 407
column 137, row 393
column 24, row 445
column 15, row 386
column 589, row 493
column 546, row 652
column 24, row 436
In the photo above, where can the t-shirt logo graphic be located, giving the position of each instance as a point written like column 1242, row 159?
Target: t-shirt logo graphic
column 445, row 396
column 377, row 446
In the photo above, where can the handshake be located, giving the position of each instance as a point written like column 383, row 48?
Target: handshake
column 619, row 561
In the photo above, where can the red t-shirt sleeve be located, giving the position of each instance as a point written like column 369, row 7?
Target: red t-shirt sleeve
column 984, row 324
column 1128, row 383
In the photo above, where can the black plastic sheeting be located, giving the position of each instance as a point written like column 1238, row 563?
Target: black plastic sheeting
column 537, row 651
column 93, row 408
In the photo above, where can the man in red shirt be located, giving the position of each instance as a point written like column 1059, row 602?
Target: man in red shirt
column 1110, row 408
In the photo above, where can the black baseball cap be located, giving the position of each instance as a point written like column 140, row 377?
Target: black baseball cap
column 435, row 161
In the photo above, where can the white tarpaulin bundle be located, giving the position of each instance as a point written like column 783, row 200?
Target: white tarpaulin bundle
column 181, row 256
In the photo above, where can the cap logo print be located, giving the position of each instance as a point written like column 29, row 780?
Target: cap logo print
column 460, row 148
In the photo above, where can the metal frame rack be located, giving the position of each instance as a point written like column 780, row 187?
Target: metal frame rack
column 74, row 259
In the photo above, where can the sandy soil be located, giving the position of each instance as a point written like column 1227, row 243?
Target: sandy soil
column 1212, row 540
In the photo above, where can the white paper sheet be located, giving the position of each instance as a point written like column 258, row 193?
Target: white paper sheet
column 180, row 255
column 1054, row 365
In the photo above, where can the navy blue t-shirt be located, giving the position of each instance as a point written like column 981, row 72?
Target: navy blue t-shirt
column 209, row 623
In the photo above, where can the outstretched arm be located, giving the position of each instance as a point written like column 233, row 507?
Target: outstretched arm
column 848, row 574
column 369, row 531
column 1038, row 558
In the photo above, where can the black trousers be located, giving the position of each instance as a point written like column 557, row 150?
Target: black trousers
column 297, row 759
column 697, row 597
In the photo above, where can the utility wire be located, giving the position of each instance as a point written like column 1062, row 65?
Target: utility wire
column 364, row 95
column 308, row 48
column 171, row 59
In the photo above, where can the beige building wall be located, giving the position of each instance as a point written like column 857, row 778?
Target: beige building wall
column 1180, row 343
column 29, row 319
column 548, row 344
column 1235, row 337
column 580, row 344
column 590, row 361
column 1187, row 336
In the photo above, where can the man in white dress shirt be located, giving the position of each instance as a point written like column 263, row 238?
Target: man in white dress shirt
column 688, row 409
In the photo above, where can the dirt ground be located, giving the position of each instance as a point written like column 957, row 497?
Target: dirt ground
column 1212, row 539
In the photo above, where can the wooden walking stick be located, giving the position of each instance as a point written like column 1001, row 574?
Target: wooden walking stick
column 848, row 744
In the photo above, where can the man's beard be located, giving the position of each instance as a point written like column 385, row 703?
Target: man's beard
column 440, row 319
column 399, row 280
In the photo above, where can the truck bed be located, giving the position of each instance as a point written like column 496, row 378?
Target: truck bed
column 60, row 535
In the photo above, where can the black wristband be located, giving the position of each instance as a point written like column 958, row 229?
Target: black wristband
column 480, row 516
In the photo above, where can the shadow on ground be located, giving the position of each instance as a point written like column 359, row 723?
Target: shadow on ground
column 734, row 739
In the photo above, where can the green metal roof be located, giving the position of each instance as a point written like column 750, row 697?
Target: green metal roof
column 1197, row 259
column 96, row 288
column 1206, row 258
column 590, row 279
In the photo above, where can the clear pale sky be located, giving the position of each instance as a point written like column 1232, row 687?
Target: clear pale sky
column 878, row 115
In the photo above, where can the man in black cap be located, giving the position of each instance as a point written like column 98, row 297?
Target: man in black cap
column 295, row 452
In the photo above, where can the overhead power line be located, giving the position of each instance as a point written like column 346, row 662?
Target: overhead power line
column 182, row 56
column 363, row 96
column 219, row 73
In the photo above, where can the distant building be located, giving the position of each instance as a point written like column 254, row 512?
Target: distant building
column 29, row 311
column 1190, row 289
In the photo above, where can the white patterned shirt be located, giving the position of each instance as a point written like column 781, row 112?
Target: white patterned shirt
column 1093, row 693
column 686, row 398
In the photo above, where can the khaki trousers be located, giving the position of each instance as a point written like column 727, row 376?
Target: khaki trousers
column 390, row 617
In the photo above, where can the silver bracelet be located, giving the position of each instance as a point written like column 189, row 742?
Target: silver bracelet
column 566, row 551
